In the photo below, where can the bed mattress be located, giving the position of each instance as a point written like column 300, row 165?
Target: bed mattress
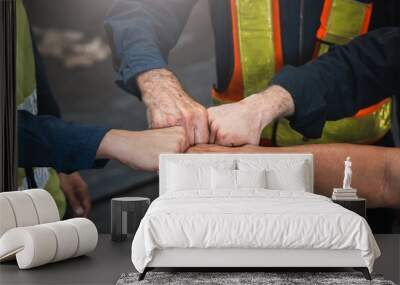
column 252, row 219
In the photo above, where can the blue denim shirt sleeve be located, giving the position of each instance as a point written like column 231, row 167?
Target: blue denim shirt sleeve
column 343, row 81
column 141, row 34
column 47, row 141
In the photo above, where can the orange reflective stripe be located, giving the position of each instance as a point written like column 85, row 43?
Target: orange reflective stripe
column 367, row 19
column 326, row 10
column 277, row 35
column 371, row 109
column 317, row 47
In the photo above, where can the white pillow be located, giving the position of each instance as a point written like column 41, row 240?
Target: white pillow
column 184, row 174
column 293, row 180
column 251, row 178
column 182, row 178
column 282, row 174
column 223, row 179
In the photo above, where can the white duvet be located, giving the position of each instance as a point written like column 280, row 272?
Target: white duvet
column 250, row 219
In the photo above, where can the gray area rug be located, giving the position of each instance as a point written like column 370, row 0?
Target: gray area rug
column 232, row 278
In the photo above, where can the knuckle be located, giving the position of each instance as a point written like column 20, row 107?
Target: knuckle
column 204, row 115
column 189, row 116
column 210, row 111
column 181, row 132
column 177, row 147
column 182, row 138
column 214, row 127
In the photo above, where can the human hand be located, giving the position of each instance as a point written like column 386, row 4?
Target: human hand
column 242, row 122
column 214, row 148
column 76, row 192
column 140, row 150
column 168, row 105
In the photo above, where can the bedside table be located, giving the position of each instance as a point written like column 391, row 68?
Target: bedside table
column 126, row 210
column 358, row 206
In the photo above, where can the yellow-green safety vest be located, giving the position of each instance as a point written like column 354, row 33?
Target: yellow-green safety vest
column 258, row 57
column 26, row 98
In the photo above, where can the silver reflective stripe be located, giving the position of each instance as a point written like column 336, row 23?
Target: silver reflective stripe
column 30, row 103
column 41, row 175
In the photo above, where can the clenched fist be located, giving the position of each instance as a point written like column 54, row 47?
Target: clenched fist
column 168, row 105
column 140, row 150
column 242, row 122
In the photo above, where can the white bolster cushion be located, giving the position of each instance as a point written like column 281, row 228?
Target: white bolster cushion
column 32, row 246
column 87, row 235
column 45, row 205
column 23, row 208
column 26, row 208
column 7, row 219
column 40, row 244
column 66, row 238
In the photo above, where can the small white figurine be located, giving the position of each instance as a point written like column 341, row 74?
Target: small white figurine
column 347, row 174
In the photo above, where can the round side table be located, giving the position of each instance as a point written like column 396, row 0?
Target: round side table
column 126, row 214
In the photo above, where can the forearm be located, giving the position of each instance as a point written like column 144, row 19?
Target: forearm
column 116, row 142
column 149, row 83
column 46, row 141
column 141, row 34
column 343, row 81
column 375, row 169
column 273, row 103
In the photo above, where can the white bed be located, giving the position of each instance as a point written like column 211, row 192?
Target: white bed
column 202, row 220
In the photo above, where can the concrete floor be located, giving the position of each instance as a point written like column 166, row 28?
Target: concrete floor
column 110, row 260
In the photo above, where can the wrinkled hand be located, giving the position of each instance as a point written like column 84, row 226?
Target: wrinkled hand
column 242, row 122
column 234, row 124
column 140, row 150
column 168, row 105
column 76, row 192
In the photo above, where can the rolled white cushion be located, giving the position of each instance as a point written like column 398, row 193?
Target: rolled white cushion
column 87, row 235
column 37, row 245
column 33, row 246
column 23, row 208
column 67, row 240
column 251, row 178
column 7, row 218
column 45, row 205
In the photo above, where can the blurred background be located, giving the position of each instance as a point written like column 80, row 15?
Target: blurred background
column 71, row 39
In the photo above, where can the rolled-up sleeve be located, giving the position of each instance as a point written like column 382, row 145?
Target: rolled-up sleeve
column 344, row 80
column 47, row 141
column 141, row 34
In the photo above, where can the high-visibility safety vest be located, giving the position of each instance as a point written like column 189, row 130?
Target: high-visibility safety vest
column 258, row 57
column 26, row 98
